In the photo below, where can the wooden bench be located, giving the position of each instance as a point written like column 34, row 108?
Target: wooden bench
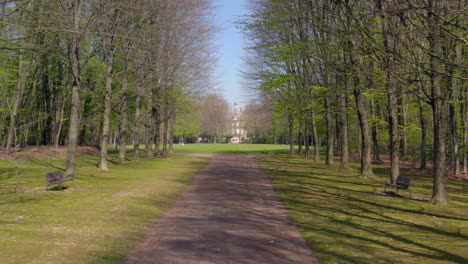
column 402, row 183
column 56, row 177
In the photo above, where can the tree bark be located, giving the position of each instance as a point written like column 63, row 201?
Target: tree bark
column 330, row 139
column 424, row 135
column 316, row 139
column 59, row 108
column 20, row 89
column 291, row 134
column 136, row 133
column 375, row 138
column 74, row 54
column 439, row 195
column 307, row 137
column 107, row 108
column 391, row 93
column 366, row 162
column 344, row 132
column 124, row 114
column 299, row 138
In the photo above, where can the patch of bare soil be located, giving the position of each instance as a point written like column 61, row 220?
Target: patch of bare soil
column 230, row 214
column 44, row 153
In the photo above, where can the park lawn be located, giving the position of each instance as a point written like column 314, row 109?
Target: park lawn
column 232, row 148
column 346, row 219
column 98, row 219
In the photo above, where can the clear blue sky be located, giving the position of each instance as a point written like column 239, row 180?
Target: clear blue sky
column 230, row 44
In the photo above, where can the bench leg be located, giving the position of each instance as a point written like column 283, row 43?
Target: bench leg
column 410, row 194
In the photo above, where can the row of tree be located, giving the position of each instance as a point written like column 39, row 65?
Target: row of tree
column 82, row 71
column 384, row 75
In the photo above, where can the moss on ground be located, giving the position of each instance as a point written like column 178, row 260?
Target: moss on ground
column 97, row 218
column 347, row 219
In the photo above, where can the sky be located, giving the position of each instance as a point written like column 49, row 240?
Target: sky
column 230, row 45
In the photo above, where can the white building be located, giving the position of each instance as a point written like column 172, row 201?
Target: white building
column 238, row 133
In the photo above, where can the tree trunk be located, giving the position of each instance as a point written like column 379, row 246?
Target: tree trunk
column 307, row 137
column 136, row 133
column 73, row 126
column 59, row 108
column 402, row 124
column 366, row 162
column 328, row 117
column 391, row 93
column 291, row 134
column 74, row 54
column 171, row 135
column 149, row 140
column 316, row 139
column 344, row 133
column 20, row 89
column 107, row 111
column 375, row 138
column 124, row 115
column 299, row 138
column 439, row 195
column 424, row 135
column 165, row 136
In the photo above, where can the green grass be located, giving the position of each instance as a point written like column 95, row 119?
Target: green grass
column 346, row 219
column 233, row 148
column 97, row 219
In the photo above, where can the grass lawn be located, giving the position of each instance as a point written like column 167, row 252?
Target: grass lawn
column 97, row 219
column 233, row 148
column 349, row 220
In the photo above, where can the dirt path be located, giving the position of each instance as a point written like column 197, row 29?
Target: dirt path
column 230, row 214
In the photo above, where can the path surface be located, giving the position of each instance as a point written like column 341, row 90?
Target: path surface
column 230, row 214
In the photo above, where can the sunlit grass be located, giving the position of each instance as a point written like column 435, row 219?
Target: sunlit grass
column 97, row 219
column 233, row 148
column 346, row 219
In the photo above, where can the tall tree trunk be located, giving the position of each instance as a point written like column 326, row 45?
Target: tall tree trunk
column 454, row 136
column 375, row 138
column 344, row 132
column 74, row 54
column 20, row 89
column 392, row 91
column 328, row 117
column 424, row 135
column 307, row 137
column 124, row 115
column 107, row 109
column 136, row 133
column 366, row 162
column 316, row 138
column 291, row 134
column 402, row 123
column 59, row 108
column 149, row 140
column 165, row 136
column 171, row 134
column 299, row 138
column 439, row 195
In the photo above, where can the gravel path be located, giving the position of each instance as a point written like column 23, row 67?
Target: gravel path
column 230, row 214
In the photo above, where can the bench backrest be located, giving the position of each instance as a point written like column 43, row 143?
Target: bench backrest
column 403, row 181
column 54, row 177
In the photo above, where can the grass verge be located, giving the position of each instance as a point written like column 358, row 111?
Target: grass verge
column 97, row 219
column 233, row 148
column 346, row 219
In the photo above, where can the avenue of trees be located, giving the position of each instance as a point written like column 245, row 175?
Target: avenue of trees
column 92, row 72
column 376, row 76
